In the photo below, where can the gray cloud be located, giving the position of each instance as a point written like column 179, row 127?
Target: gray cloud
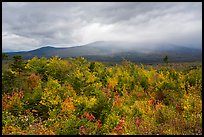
column 27, row 26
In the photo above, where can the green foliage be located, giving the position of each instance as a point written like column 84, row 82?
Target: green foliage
column 78, row 97
column 58, row 69
column 4, row 56
column 166, row 59
column 18, row 64
column 38, row 66
column 9, row 81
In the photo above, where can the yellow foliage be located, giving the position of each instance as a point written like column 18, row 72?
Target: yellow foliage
column 112, row 82
column 91, row 79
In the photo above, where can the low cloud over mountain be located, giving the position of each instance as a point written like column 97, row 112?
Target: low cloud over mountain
column 27, row 26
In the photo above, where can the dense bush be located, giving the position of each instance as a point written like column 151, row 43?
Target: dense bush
column 75, row 96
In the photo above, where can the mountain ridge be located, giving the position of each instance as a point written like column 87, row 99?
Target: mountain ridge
column 102, row 49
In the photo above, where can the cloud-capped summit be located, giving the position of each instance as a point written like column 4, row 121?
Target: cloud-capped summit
column 27, row 26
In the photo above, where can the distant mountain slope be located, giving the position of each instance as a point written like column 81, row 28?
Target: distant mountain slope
column 116, row 51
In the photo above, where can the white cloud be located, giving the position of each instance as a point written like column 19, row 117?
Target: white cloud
column 95, row 32
column 18, row 43
column 31, row 25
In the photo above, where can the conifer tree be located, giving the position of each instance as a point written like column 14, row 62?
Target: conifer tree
column 166, row 60
column 18, row 65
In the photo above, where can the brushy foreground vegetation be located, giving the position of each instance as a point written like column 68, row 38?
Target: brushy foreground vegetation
column 75, row 96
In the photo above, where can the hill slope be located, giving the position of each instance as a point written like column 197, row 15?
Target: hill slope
column 116, row 51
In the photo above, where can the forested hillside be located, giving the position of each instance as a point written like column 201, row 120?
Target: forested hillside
column 75, row 96
column 116, row 52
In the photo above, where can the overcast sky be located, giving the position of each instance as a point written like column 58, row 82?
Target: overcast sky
column 27, row 26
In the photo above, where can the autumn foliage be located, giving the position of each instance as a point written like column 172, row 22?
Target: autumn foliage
column 79, row 97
